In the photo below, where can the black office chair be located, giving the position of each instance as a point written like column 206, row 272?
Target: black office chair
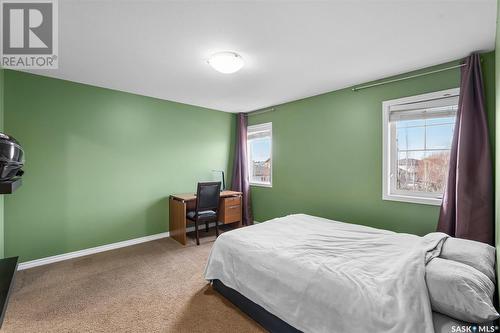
column 207, row 207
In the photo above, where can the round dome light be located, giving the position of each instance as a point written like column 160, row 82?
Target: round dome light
column 226, row 62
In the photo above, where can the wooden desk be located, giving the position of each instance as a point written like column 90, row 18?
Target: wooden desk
column 229, row 211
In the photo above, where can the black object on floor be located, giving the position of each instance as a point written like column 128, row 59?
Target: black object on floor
column 265, row 318
column 8, row 268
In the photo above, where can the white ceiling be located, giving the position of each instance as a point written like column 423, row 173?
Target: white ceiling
column 292, row 49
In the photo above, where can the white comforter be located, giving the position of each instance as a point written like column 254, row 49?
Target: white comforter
column 320, row 275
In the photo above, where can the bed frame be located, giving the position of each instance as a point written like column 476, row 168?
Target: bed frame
column 265, row 318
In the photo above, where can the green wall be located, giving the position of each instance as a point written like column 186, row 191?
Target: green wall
column 2, row 246
column 100, row 164
column 327, row 155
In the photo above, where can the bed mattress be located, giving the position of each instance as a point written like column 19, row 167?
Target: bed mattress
column 273, row 324
column 320, row 275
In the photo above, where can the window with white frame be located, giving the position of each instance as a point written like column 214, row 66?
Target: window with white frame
column 260, row 146
column 418, row 132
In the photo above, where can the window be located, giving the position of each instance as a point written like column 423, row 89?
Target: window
column 418, row 132
column 260, row 146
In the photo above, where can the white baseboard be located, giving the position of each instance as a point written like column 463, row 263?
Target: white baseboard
column 97, row 249
column 92, row 250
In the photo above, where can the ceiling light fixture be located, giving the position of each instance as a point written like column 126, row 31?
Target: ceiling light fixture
column 226, row 62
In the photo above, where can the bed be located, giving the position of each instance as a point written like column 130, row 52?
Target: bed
column 441, row 323
column 317, row 275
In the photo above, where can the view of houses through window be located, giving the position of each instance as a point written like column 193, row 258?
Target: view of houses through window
column 423, row 153
column 260, row 154
column 418, row 132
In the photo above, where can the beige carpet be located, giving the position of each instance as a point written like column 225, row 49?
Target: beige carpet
column 150, row 287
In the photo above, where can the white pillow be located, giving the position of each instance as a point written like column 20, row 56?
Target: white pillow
column 460, row 291
column 445, row 324
column 479, row 255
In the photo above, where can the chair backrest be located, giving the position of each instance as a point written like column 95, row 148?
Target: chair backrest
column 207, row 196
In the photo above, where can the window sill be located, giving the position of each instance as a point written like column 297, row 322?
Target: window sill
column 413, row 199
column 261, row 185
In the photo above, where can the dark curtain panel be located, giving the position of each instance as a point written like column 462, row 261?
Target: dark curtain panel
column 467, row 208
column 240, row 181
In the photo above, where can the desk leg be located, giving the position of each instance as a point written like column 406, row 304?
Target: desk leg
column 177, row 220
column 240, row 222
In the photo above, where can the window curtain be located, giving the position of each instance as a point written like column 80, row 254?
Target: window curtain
column 467, row 207
column 240, row 180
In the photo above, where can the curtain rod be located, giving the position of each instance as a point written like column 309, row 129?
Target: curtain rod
column 407, row 77
column 253, row 113
column 378, row 84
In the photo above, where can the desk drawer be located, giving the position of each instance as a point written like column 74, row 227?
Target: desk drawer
column 230, row 210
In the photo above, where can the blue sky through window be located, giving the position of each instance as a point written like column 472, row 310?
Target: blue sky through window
column 425, row 134
column 261, row 149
